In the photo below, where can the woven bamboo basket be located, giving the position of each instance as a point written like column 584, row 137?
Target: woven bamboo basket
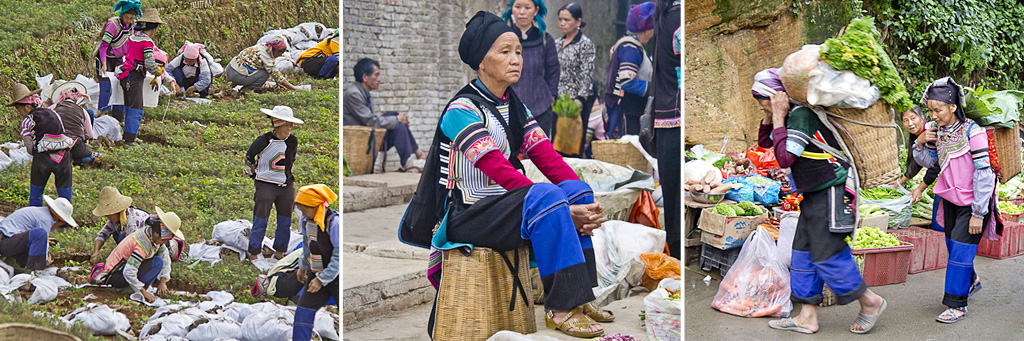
column 357, row 147
column 28, row 332
column 1007, row 143
column 474, row 295
column 874, row 149
column 620, row 153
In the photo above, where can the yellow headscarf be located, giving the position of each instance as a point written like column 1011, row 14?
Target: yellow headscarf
column 318, row 196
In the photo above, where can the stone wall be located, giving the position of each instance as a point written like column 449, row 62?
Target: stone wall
column 416, row 43
column 727, row 42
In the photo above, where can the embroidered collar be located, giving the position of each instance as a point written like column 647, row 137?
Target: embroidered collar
column 482, row 90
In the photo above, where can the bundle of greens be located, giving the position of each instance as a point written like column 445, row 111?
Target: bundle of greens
column 880, row 193
column 989, row 107
column 870, row 237
column 859, row 50
column 566, row 107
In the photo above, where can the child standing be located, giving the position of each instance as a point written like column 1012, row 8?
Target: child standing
column 966, row 185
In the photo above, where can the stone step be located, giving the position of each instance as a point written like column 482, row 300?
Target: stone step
column 377, row 190
column 378, row 287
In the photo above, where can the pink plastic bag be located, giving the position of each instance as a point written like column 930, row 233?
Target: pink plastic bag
column 757, row 283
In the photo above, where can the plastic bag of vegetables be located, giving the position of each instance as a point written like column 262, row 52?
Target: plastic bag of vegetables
column 569, row 127
column 757, row 283
column 896, row 201
column 766, row 191
column 744, row 193
column 662, row 309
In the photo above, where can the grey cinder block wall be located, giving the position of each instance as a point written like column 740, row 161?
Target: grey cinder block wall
column 416, row 43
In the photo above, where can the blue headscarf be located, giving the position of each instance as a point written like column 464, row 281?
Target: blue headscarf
column 539, row 18
column 123, row 6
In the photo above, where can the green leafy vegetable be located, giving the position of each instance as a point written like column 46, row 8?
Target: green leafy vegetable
column 566, row 107
column 721, row 162
column 989, row 107
column 870, row 237
column 859, row 50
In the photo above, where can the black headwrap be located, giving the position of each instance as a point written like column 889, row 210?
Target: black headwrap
column 947, row 91
column 481, row 32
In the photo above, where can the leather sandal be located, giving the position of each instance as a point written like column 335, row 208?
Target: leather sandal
column 596, row 314
column 573, row 326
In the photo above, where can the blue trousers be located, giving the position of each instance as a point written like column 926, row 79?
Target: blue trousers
column 401, row 138
column 185, row 82
column 962, row 247
column 820, row 256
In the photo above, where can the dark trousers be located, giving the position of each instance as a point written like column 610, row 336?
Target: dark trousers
column 401, row 138
column 148, row 271
column 322, row 67
column 283, row 200
column 537, row 215
column 820, row 256
column 962, row 247
column 80, row 152
column 28, row 248
column 42, row 167
column 309, row 302
column 185, row 82
column 668, row 144
column 288, row 286
column 588, row 104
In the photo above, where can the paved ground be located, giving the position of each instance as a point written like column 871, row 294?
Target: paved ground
column 411, row 324
column 996, row 312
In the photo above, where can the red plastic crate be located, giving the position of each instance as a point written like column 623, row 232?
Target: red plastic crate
column 1009, row 245
column 885, row 265
column 930, row 251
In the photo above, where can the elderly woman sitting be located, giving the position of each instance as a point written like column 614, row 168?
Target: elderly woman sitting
column 491, row 204
column 255, row 65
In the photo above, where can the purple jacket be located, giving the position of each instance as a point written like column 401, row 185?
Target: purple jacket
column 538, row 84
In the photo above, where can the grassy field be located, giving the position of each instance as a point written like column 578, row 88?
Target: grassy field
column 190, row 162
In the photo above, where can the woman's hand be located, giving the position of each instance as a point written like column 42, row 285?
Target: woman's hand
column 161, row 289
column 301, row 275
column 916, row 194
column 314, row 285
column 587, row 218
column 929, row 135
column 780, row 108
column 976, row 224
column 96, row 257
column 148, row 296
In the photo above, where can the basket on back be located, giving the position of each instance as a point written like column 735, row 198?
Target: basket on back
column 22, row 331
column 875, row 148
column 1004, row 151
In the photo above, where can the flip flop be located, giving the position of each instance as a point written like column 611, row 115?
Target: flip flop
column 867, row 322
column 788, row 324
column 952, row 318
column 974, row 288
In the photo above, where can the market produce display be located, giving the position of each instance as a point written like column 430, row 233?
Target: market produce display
column 792, row 202
column 867, row 211
column 880, row 193
column 1011, row 189
column 870, row 237
column 859, row 50
column 744, row 208
column 923, row 208
column 565, row 106
column 1010, row 208
column 895, row 201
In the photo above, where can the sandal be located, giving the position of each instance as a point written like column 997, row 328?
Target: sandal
column 867, row 322
column 975, row 287
column 573, row 326
column 788, row 324
column 949, row 316
column 596, row 314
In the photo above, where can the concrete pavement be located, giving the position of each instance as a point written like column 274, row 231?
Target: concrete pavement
column 995, row 313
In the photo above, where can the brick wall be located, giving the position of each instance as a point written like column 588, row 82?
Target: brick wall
column 416, row 43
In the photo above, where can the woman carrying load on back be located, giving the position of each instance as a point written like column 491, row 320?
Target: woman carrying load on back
column 113, row 47
column 966, row 186
column 820, row 255
column 495, row 206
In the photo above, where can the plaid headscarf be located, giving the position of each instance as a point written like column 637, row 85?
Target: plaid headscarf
column 34, row 99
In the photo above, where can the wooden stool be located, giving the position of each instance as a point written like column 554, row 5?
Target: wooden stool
column 476, row 291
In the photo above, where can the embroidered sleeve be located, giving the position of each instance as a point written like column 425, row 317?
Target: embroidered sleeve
column 149, row 60
column 630, row 60
column 463, row 124
column 26, row 126
column 979, row 147
column 534, row 134
column 165, row 272
column 131, row 270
